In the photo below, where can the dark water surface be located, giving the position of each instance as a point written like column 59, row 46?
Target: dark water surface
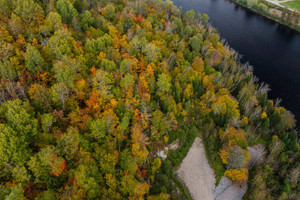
column 273, row 49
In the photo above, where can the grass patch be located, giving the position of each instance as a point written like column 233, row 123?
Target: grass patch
column 292, row 4
column 212, row 155
column 212, row 144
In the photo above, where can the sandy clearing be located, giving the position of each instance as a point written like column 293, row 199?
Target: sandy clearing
column 197, row 174
column 199, row 178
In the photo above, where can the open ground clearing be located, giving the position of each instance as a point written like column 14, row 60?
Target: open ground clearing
column 197, row 174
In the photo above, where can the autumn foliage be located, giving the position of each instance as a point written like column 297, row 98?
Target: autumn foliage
column 91, row 91
column 238, row 175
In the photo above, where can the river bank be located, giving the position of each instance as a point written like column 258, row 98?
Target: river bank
column 261, row 42
column 280, row 14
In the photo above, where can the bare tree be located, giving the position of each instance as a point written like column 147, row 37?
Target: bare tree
column 237, row 158
column 255, row 79
column 257, row 154
column 263, row 88
column 277, row 102
column 294, row 176
column 235, row 122
column 60, row 92
column 275, row 148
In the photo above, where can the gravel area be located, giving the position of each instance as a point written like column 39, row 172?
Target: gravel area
column 234, row 192
column 223, row 185
column 227, row 190
column 197, row 174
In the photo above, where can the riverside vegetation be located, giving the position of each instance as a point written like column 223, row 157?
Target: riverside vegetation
column 283, row 15
column 91, row 90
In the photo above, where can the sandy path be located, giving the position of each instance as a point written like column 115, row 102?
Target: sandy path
column 285, row 1
column 197, row 174
column 278, row 3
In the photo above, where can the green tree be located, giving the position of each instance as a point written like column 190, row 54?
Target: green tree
column 68, row 143
column 195, row 42
column 5, row 6
column 54, row 21
column 44, row 164
column 276, row 121
column 15, row 135
column 47, row 121
column 205, row 18
column 87, row 176
column 108, row 65
column 65, row 71
column 287, row 117
column 60, row 44
column 188, row 31
column 125, row 122
column 127, row 81
column 17, row 192
column 21, row 174
column 103, row 81
column 161, row 196
column 125, row 66
column 252, row 3
column 7, row 70
column 160, row 123
column 98, row 45
column 179, row 26
column 110, row 11
column 263, row 7
column 128, row 183
column 27, row 10
column 15, row 25
column 87, row 20
column 163, row 84
column 107, row 160
column 98, row 129
column 152, row 52
column 136, row 45
column 18, row 116
column 34, row 59
column 13, row 150
column 190, row 16
column 127, row 162
column 66, row 10
column 47, row 195
column 258, row 187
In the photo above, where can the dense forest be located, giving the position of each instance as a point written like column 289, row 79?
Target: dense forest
column 91, row 90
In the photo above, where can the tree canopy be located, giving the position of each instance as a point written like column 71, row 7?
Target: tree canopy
column 91, row 91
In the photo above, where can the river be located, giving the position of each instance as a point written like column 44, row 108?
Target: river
column 273, row 49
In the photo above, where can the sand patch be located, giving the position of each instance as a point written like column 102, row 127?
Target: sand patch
column 197, row 174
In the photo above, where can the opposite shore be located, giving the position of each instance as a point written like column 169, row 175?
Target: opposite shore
column 281, row 15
